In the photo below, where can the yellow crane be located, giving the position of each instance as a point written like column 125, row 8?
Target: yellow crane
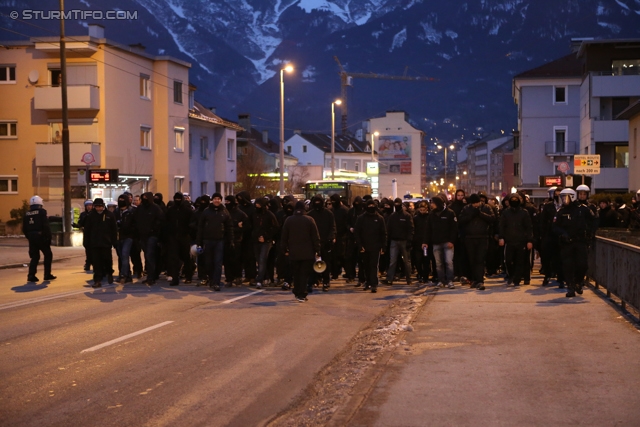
column 346, row 79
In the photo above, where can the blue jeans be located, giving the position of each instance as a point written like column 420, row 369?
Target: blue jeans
column 149, row 246
column 444, row 258
column 261, row 251
column 399, row 247
column 124, row 251
column 213, row 256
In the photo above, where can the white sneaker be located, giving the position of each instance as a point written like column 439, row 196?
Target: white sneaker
column 258, row 285
column 439, row 285
column 450, row 285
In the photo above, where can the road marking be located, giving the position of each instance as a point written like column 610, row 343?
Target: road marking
column 45, row 298
column 243, row 296
column 126, row 337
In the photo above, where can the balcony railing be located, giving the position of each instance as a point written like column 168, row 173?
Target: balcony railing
column 556, row 148
column 79, row 97
column 50, row 154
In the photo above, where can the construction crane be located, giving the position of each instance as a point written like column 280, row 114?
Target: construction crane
column 346, row 79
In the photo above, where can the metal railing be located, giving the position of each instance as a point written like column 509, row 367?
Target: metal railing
column 616, row 267
column 568, row 148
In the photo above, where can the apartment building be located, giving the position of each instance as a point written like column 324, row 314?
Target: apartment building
column 127, row 108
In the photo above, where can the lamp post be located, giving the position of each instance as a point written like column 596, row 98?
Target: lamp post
column 333, row 134
column 373, row 140
column 288, row 69
column 440, row 147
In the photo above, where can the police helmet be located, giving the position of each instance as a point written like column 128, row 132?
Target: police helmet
column 568, row 195
column 88, row 202
column 36, row 200
column 551, row 191
column 584, row 188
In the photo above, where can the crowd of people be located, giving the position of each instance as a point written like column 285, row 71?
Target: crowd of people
column 277, row 242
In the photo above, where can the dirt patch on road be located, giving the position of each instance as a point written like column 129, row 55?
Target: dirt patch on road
column 341, row 386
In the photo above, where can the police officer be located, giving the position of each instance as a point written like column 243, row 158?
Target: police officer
column 573, row 223
column 35, row 226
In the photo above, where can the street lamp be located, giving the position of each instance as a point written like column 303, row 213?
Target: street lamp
column 373, row 141
column 440, row 147
column 333, row 134
column 288, row 69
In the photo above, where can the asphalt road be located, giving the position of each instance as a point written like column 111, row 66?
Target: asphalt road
column 134, row 356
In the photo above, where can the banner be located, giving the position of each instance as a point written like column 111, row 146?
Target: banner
column 394, row 153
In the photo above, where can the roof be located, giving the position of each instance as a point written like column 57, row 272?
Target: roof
column 626, row 43
column 254, row 137
column 506, row 147
column 567, row 66
column 199, row 112
column 629, row 112
column 490, row 140
column 341, row 143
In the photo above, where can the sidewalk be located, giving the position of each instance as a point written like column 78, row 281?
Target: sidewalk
column 14, row 252
column 509, row 357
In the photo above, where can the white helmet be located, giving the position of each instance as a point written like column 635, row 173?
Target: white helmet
column 551, row 190
column 568, row 195
column 583, row 187
column 36, row 200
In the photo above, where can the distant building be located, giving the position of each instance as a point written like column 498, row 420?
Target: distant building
column 127, row 108
column 501, row 172
column 481, row 169
column 632, row 114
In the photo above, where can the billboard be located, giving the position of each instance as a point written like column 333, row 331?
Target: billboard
column 394, row 153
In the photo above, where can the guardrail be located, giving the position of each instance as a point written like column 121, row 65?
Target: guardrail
column 616, row 267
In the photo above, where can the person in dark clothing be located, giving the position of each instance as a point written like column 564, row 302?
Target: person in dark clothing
column 352, row 252
column 102, row 232
column 460, row 261
column 624, row 212
column 248, row 255
column 283, row 265
column 400, row 231
column 533, row 215
column 340, row 213
column 201, row 204
column 326, row 224
column 573, row 223
column 300, row 242
column 441, row 233
column 477, row 220
column 178, row 240
column 264, row 228
column 88, row 205
column 126, row 236
column 419, row 256
column 494, row 254
column 215, row 230
column 149, row 221
column 35, row 226
column 233, row 257
column 516, row 235
column 386, row 207
column 609, row 217
column 550, row 251
column 275, row 206
column 371, row 240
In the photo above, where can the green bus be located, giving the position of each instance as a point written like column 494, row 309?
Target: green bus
column 347, row 190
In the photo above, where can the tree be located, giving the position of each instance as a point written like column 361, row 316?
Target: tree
column 298, row 176
column 251, row 167
column 18, row 213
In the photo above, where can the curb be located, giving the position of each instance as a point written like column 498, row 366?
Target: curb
column 23, row 264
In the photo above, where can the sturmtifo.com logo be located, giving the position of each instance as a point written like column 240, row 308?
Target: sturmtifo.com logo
column 75, row 14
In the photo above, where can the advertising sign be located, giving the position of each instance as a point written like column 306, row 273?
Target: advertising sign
column 586, row 164
column 394, row 153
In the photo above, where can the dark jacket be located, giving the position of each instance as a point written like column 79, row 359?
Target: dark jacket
column 515, row 226
column 574, row 223
column 101, row 229
column 354, row 212
column 325, row 222
column 124, row 220
column 442, row 227
column 547, row 214
column 265, row 224
column 300, row 237
column 179, row 219
column 400, row 226
column 215, row 224
column 420, row 228
column 340, row 213
column 371, row 232
column 35, row 224
column 477, row 222
column 609, row 218
column 148, row 218
column 237, row 217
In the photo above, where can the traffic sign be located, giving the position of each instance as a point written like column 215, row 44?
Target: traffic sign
column 586, row 164
column 563, row 167
column 87, row 158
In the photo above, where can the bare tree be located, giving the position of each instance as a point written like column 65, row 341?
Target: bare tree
column 251, row 167
column 298, row 176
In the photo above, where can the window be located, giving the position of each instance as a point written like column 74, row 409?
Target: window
column 559, row 94
column 625, row 67
column 516, row 169
column 190, row 146
column 204, row 147
column 344, row 165
column 145, row 137
column 560, row 139
column 350, row 148
column 304, row 148
column 8, row 130
column 7, row 74
column 516, row 141
column 145, row 86
column 493, row 185
column 231, row 148
column 190, row 187
column 288, row 149
column 357, row 166
column 192, row 99
column 178, row 182
column 203, row 188
column 55, row 77
column 367, row 149
column 179, row 147
column 8, row 184
column 500, row 185
column 177, row 92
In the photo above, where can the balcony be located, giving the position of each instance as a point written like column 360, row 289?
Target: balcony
column 611, row 130
column 615, row 86
column 557, row 149
column 50, row 154
column 80, row 97
column 612, row 179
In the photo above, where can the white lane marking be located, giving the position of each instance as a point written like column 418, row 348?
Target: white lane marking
column 126, row 337
column 243, row 296
column 46, row 298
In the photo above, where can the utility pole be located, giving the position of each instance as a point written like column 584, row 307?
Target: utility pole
column 66, row 163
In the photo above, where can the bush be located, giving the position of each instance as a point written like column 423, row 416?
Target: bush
column 596, row 198
column 18, row 213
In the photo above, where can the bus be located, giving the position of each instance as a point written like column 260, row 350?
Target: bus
column 347, row 190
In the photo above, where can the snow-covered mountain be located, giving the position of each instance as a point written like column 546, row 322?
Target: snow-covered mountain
column 473, row 48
